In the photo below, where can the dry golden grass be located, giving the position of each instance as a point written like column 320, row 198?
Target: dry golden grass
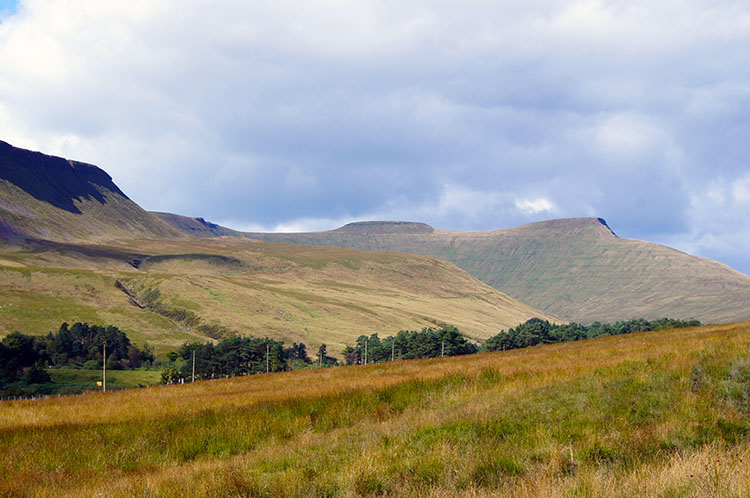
column 648, row 414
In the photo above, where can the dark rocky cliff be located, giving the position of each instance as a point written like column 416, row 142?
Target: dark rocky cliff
column 52, row 198
column 54, row 180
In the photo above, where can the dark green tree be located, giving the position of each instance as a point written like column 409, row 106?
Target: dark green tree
column 37, row 374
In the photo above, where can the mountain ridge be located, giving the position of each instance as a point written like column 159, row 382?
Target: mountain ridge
column 574, row 268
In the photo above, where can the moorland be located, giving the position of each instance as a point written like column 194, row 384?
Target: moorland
column 662, row 413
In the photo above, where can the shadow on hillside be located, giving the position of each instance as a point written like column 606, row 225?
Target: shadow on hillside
column 54, row 180
column 135, row 259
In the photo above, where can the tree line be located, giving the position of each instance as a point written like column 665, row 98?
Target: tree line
column 240, row 356
column 408, row 345
column 24, row 358
column 448, row 341
column 536, row 331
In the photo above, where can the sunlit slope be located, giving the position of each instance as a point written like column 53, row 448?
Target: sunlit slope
column 51, row 198
column 577, row 269
column 644, row 414
column 296, row 293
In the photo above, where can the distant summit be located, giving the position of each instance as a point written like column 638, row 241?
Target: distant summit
column 385, row 227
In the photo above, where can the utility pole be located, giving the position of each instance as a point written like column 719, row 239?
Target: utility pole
column 393, row 350
column 442, row 349
column 193, row 366
column 104, row 368
column 366, row 342
column 267, row 357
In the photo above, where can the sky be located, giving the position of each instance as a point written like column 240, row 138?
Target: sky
column 470, row 115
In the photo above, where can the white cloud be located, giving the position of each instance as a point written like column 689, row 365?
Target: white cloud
column 741, row 191
column 540, row 205
column 292, row 226
column 457, row 198
column 471, row 115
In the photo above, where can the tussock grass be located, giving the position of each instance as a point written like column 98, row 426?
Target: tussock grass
column 657, row 414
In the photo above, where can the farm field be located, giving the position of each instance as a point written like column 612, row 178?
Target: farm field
column 660, row 413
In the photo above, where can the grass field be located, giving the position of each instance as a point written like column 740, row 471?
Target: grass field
column 658, row 413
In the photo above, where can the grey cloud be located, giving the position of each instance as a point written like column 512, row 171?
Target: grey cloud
column 475, row 115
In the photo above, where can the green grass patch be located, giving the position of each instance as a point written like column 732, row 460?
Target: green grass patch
column 75, row 380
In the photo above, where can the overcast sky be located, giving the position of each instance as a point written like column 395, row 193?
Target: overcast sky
column 470, row 115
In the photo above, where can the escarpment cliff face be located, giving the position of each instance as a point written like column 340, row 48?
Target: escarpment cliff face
column 51, row 198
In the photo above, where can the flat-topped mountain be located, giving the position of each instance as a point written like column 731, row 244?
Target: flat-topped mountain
column 51, row 198
column 576, row 269
column 384, row 227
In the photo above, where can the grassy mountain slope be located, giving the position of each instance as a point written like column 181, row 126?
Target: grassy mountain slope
column 77, row 249
column 196, row 227
column 646, row 414
column 576, row 269
column 51, row 198
column 296, row 293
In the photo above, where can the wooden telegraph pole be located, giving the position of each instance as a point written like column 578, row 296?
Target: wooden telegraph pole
column 267, row 370
column 104, row 367
column 193, row 366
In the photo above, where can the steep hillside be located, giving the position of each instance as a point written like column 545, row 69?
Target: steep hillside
column 576, row 269
column 51, row 198
column 169, row 292
column 196, row 227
